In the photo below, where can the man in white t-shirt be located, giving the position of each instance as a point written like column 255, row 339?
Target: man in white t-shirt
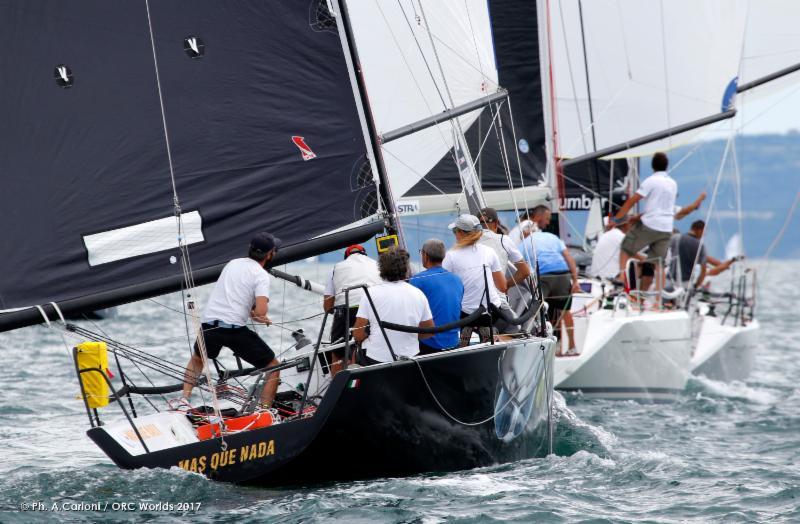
column 605, row 259
column 395, row 301
column 240, row 294
column 654, row 228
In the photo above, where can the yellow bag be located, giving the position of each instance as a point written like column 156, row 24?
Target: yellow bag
column 95, row 387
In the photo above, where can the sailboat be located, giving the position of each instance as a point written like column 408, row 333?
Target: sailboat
column 145, row 143
column 726, row 332
column 627, row 89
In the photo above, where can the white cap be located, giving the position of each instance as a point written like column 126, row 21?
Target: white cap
column 466, row 223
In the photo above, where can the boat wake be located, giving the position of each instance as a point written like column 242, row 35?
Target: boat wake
column 573, row 435
column 703, row 387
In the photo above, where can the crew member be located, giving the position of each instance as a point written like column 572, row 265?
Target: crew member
column 605, row 259
column 688, row 251
column 479, row 269
column 654, row 229
column 395, row 301
column 444, row 292
column 558, row 273
column 241, row 293
column 355, row 270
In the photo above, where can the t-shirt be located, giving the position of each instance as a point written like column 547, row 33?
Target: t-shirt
column 444, row 292
column 659, row 192
column 399, row 303
column 355, row 270
column 684, row 250
column 234, row 294
column 605, row 260
column 548, row 250
column 504, row 244
column 470, row 264
column 517, row 233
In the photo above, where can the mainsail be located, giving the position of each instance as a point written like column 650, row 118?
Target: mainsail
column 239, row 117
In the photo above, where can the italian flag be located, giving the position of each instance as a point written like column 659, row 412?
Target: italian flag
column 354, row 383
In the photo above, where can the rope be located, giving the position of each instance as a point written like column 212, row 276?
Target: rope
column 458, row 421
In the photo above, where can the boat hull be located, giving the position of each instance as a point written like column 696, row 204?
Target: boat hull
column 629, row 356
column 725, row 352
column 450, row 411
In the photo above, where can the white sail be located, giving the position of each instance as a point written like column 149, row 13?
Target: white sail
column 651, row 65
column 771, row 43
column 404, row 79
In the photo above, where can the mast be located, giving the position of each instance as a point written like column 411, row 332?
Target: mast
column 368, row 121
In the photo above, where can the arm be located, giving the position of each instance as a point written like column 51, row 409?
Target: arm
column 627, row 206
column 259, row 311
column 327, row 303
column 523, row 270
column 715, row 261
column 702, row 276
column 426, row 324
column 573, row 269
column 499, row 281
column 719, row 268
column 691, row 207
column 359, row 331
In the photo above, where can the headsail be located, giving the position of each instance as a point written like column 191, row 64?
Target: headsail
column 644, row 66
column 263, row 132
column 402, row 45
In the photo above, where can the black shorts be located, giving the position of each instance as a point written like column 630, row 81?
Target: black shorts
column 244, row 343
column 557, row 292
column 338, row 328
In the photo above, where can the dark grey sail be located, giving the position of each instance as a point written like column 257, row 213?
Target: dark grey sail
column 263, row 132
column 516, row 45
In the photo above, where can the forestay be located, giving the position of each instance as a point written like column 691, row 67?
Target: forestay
column 263, row 132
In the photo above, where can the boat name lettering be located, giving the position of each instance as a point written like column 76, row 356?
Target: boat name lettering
column 221, row 459
column 147, row 431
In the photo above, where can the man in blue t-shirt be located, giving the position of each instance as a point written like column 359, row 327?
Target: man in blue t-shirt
column 444, row 291
column 557, row 271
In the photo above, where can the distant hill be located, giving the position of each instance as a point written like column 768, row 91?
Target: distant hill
column 770, row 175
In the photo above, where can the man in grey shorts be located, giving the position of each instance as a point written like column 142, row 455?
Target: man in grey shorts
column 654, row 230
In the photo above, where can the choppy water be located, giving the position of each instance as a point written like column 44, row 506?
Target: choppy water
column 723, row 452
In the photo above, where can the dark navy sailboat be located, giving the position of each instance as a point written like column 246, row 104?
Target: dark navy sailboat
column 144, row 144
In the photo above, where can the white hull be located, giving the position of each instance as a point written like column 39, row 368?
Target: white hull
column 628, row 355
column 725, row 352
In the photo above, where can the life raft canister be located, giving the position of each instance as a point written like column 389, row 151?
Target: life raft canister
column 93, row 355
column 261, row 419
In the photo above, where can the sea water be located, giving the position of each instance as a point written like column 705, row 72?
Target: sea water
column 722, row 452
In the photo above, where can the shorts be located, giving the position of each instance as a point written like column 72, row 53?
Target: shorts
column 557, row 292
column 244, row 343
column 640, row 236
column 339, row 329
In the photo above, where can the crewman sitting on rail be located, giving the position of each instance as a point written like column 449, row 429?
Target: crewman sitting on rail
column 687, row 252
column 395, row 301
column 356, row 269
column 480, row 271
column 444, row 292
column 240, row 294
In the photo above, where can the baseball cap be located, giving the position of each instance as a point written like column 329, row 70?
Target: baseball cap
column 489, row 214
column 355, row 248
column 466, row 223
column 262, row 243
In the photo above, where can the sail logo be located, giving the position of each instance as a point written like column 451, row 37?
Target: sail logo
column 63, row 76
column 305, row 151
column 194, row 47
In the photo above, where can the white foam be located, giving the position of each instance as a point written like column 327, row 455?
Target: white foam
column 735, row 390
